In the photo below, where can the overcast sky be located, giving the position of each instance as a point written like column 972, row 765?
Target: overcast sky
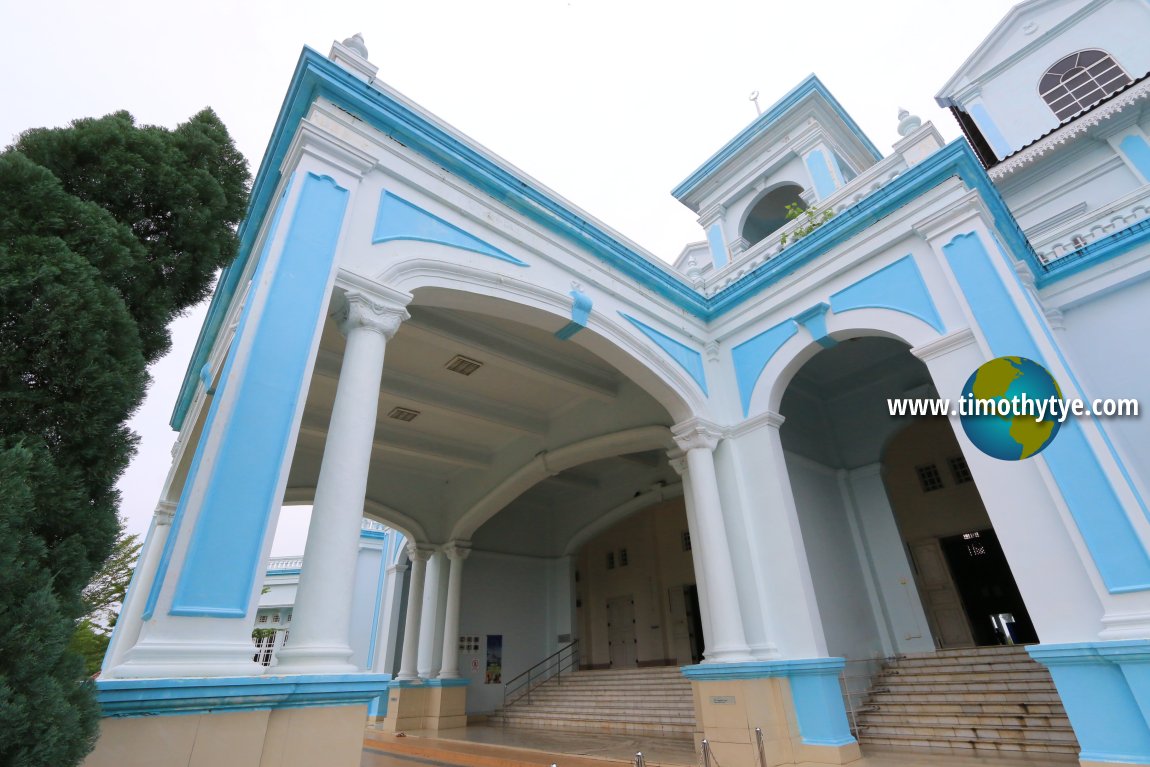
column 610, row 104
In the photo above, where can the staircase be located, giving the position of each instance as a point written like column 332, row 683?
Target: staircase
column 984, row 701
column 650, row 701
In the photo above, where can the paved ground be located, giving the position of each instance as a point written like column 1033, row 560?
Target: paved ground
column 508, row 747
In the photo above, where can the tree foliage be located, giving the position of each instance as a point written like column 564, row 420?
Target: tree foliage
column 102, row 598
column 107, row 232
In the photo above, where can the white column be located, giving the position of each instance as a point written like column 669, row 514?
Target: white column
column 728, row 643
column 456, row 553
column 388, row 628
column 322, row 614
column 678, row 462
column 431, row 622
column 130, row 620
column 410, row 658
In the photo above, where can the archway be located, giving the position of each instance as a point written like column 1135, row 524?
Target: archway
column 770, row 212
column 886, row 563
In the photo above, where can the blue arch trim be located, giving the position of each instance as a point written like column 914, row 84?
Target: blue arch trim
column 688, row 359
column 1110, row 537
column 751, row 357
column 580, row 314
column 398, row 219
column 898, row 287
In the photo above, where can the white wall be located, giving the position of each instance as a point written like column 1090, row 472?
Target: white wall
column 507, row 595
column 840, row 585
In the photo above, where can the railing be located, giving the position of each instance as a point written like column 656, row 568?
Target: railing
column 565, row 659
column 1090, row 227
column 857, row 682
column 285, row 563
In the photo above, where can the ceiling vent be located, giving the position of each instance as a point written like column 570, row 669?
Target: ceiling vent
column 465, row 366
column 403, row 414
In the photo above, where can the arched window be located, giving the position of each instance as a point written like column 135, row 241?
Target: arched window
column 1080, row 81
column 770, row 212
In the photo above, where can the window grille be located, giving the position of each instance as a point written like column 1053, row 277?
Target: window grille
column 1080, row 80
column 959, row 470
column 929, row 477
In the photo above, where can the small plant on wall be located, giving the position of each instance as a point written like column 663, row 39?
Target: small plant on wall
column 810, row 219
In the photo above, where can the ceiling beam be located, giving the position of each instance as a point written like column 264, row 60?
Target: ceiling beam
column 434, row 396
column 388, row 440
column 528, row 359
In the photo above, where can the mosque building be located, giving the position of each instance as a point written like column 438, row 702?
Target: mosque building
column 577, row 448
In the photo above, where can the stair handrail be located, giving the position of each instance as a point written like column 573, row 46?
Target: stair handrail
column 531, row 679
column 854, row 698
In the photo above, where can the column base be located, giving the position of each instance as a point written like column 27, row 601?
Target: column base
column 1105, row 689
column 796, row 704
column 152, row 659
column 315, row 660
column 435, row 704
column 239, row 722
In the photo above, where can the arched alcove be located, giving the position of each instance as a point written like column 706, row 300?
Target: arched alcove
column 770, row 212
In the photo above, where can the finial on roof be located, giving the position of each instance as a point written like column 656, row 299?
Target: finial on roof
column 355, row 43
column 907, row 123
column 694, row 273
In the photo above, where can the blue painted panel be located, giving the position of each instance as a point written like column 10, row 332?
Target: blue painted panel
column 718, row 247
column 688, row 359
column 223, row 556
column 815, row 321
column 751, row 357
column 398, row 219
column 168, row 697
column 1136, row 150
column 379, row 584
column 209, row 420
column 580, row 313
column 819, row 709
column 1121, row 560
column 1099, row 702
column 990, row 131
column 898, row 287
column 820, row 174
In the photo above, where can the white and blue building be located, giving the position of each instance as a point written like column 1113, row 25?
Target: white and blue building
column 568, row 432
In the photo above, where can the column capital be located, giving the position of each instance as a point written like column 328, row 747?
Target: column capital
column 678, row 461
column 457, row 551
column 164, row 512
column 363, row 310
column 696, row 433
column 417, row 553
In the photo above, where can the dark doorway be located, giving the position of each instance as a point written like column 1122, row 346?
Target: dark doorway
column 989, row 594
column 694, row 621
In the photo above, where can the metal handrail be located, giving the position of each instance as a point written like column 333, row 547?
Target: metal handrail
column 873, row 669
column 540, row 673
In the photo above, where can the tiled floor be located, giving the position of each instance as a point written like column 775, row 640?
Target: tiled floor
column 497, row 747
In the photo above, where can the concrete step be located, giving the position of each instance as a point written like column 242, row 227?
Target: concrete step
column 963, row 721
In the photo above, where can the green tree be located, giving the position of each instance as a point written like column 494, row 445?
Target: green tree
column 108, row 230
column 103, row 597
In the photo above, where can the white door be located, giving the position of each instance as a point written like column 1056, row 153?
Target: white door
column 940, row 597
column 621, row 631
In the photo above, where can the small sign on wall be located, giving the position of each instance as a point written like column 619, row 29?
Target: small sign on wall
column 475, row 665
column 723, row 700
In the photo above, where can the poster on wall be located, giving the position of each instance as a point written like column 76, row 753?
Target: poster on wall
column 494, row 659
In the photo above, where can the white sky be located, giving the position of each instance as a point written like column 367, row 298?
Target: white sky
column 610, row 104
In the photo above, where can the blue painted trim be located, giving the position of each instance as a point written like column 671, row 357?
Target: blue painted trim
column 990, row 131
column 398, row 219
column 448, row 682
column 1104, row 694
column 1114, row 545
column 820, row 171
column 717, row 246
column 1138, row 153
column 687, row 358
column 815, row 321
column 223, row 556
column 751, row 357
column 317, row 77
column 898, row 287
column 166, row 697
column 397, row 684
column 210, row 419
column 1112, row 246
column 580, row 314
column 284, row 572
column 808, row 87
column 815, row 692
